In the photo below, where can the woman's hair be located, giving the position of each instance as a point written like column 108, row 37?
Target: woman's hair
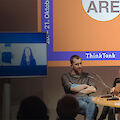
column 32, row 108
column 32, row 60
column 67, row 107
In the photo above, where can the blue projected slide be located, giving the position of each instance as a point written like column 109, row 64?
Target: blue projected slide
column 23, row 54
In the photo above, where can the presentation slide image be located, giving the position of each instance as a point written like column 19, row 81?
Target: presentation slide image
column 17, row 54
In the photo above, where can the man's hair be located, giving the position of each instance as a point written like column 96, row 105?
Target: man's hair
column 32, row 108
column 67, row 107
column 74, row 56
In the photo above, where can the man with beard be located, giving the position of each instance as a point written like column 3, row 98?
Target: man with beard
column 80, row 84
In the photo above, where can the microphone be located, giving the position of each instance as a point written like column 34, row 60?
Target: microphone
column 99, row 79
column 91, row 77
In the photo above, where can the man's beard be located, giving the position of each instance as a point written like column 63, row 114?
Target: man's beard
column 78, row 72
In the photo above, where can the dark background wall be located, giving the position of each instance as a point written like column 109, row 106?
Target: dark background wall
column 21, row 16
column 18, row 15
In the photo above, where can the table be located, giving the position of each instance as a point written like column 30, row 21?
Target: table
column 105, row 102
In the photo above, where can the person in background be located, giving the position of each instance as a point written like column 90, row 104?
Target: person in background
column 32, row 108
column 109, row 110
column 67, row 108
column 80, row 84
column 27, row 58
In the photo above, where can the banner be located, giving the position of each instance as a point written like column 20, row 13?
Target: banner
column 89, row 29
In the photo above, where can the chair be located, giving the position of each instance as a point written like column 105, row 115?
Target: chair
column 95, row 115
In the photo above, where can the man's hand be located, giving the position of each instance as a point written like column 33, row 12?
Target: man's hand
column 112, row 90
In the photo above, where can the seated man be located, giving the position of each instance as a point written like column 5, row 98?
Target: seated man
column 80, row 84
column 109, row 110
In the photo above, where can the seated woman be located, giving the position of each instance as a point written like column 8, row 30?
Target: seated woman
column 109, row 110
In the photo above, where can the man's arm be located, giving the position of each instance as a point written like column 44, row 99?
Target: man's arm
column 88, row 90
column 69, row 87
column 78, row 88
